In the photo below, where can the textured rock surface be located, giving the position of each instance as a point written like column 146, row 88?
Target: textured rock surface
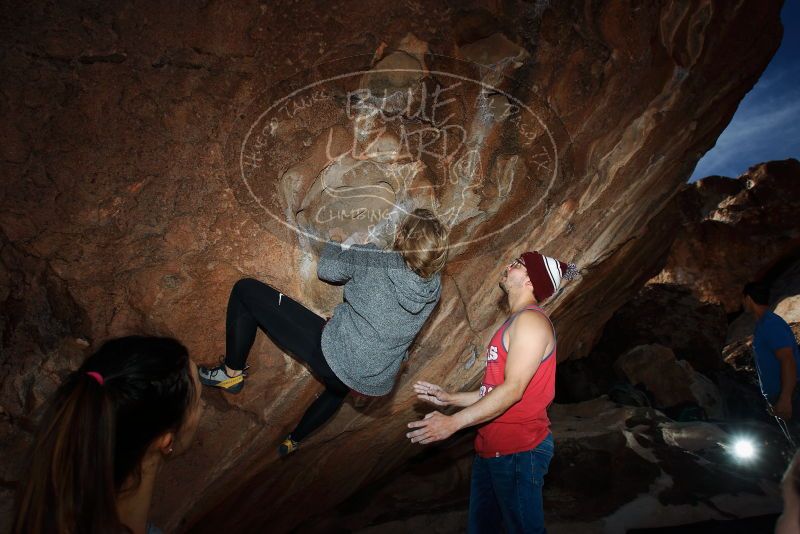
column 669, row 315
column 670, row 381
column 121, row 211
column 785, row 294
column 677, row 316
column 735, row 232
column 663, row 314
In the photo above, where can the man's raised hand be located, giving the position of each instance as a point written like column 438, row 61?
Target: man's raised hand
column 432, row 393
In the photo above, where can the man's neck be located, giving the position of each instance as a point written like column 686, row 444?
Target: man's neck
column 518, row 301
column 759, row 311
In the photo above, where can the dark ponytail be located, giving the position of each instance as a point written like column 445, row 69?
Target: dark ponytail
column 95, row 432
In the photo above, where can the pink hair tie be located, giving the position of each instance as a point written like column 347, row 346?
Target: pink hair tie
column 97, row 376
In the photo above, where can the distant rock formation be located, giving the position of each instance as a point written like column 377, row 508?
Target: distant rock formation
column 734, row 231
column 671, row 382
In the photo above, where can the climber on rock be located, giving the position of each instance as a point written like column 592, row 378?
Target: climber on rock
column 388, row 296
column 514, row 444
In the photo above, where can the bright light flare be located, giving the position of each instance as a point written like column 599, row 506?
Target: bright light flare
column 744, row 449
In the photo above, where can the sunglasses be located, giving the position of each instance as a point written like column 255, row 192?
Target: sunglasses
column 516, row 263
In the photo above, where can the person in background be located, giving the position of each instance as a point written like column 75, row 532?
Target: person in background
column 103, row 437
column 776, row 353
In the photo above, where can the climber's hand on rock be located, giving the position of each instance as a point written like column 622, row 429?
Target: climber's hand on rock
column 432, row 393
column 358, row 238
column 365, row 238
column 434, row 427
column 337, row 234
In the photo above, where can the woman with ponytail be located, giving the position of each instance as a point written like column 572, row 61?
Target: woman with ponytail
column 104, row 436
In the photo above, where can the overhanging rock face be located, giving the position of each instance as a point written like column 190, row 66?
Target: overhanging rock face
column 154, row 156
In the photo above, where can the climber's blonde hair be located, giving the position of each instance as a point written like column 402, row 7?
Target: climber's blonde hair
column 422, row 241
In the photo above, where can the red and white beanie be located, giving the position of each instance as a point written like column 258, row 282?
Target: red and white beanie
column 546, row 273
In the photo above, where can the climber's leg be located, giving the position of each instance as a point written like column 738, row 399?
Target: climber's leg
column 323, row 407
column 251, row 305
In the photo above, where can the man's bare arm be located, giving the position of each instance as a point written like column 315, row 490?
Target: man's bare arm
column 530, row 336
column 783, row 406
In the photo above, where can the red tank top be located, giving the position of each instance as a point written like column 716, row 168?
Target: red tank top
column 525, row 424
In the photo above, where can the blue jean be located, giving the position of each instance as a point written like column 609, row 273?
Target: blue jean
column 506, row 491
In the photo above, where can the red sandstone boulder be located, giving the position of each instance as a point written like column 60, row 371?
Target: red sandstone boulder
column 752, row 226
column 124, row 208
column 669, row 315
column 664, row 314
column 671, row 382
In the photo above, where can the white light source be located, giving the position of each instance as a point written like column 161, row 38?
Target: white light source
column 744, row 449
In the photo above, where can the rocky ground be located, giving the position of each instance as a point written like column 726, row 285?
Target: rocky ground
column 673, row 347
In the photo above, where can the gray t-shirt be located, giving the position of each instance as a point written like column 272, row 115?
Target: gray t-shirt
column 385, row 306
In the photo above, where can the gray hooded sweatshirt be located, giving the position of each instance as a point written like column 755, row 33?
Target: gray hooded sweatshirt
column 385, row 305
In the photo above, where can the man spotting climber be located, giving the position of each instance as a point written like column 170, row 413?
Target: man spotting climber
column 777, row 356
column 514, row 444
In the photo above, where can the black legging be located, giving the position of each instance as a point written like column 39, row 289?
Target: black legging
column 292, row 327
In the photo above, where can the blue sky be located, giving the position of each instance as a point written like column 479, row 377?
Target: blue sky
column 767, row 124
